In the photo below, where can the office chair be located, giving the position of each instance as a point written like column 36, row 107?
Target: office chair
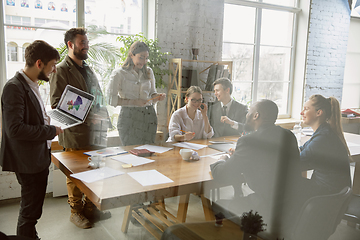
column 320, row 215
column 352, row 214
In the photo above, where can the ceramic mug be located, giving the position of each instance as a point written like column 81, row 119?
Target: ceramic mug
column 95, row 161
column 186, row 153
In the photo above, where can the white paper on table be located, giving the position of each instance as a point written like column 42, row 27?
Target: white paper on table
column 193, row 146
column 153, row 148
column 308, row 131
column 96, row 174
column 218, row 156
column 106, row 152
column 351, row 144
column 214, row 155
column 353, row 148
column 150, row 177
column 132, row 159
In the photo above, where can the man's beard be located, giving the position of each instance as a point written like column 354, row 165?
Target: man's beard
column 42, row 76
column 248, row 126
column 78, row 54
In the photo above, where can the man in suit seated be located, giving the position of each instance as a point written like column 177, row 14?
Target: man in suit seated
column 226, row 116
column 268, row 159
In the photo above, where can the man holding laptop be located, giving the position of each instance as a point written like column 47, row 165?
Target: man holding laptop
column 74, row 71
column 27, row 133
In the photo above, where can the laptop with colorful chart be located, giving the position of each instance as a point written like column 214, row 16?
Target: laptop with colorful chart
column 72, row 109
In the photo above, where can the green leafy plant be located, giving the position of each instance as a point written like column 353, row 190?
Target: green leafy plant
column 252, row 223
column 103, row 57
column 157, row 58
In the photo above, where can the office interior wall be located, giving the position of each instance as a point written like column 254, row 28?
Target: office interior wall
column 187, row 24
column 351, row 87
column 327, row 45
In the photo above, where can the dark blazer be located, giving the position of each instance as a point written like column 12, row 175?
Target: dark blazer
column 237, row 112
column 268, row 159
column 24, row 134
column 328, row 157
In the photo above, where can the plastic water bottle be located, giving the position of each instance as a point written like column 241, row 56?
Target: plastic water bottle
column 297, row 132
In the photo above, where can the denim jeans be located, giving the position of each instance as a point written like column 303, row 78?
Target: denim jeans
column 33, row 189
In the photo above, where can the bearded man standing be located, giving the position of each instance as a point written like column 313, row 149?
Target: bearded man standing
column 74, row 71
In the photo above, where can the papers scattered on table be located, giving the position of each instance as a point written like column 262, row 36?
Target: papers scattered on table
column 153, row 148
column 132, row 159
column 221, row 142
column 353, row 148
column 351, row 144
column 96, row 174
column 106, row 152
column 308, row 131
column 214, row 155
column 193, row 146
column 150, row 177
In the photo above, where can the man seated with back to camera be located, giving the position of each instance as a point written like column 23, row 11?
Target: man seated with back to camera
column 268, row 159
column 226, row 116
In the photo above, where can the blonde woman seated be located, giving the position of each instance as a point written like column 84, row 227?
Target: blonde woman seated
column 191, row 121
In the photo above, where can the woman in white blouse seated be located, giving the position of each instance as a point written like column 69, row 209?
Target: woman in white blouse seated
column 191, row 121
column 133, row 88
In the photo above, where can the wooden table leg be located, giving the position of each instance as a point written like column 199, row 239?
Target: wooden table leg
column 183, row 207
column 126, row 219
column 209, row 215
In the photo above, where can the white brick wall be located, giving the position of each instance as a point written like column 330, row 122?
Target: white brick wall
column 10, row 188
column 327, row 44
column 183, row 25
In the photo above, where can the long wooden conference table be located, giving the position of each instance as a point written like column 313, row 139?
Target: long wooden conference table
column 188, row 177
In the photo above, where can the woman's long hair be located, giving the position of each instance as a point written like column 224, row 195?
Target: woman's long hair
column 135, row 48
column 331, row 107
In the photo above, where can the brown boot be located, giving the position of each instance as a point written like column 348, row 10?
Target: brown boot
column 80, row 220
column 95, row 215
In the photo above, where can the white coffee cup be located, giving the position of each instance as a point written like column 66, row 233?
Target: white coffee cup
column 186, row 153
column 95, row 161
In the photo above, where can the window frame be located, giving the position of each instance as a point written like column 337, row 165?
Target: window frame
column 147, row 29
column 259, row 6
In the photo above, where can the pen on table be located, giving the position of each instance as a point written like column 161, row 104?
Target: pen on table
column 152, row 98
column 186, row 131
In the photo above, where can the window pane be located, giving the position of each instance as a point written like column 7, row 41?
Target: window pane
column 12, row 52
column 242, row 92
column 288, row 3
column 277, row 92
column 115, row 16
column 276, row 28
column 274, row 64
column 274, row 68
column 242, row 57
column 239, row 24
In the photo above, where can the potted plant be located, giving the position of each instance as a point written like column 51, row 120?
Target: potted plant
column 251, row 224
column 157, row 58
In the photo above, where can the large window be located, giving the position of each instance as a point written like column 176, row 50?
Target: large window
column 261, row 47
column 48, row 20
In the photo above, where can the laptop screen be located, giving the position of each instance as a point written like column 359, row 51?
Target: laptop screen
column 75, row 102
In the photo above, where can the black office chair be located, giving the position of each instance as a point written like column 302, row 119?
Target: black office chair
column 352, row 213
column 320, row 215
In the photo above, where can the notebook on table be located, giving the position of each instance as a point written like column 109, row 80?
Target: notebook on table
column 223, row 147
column 72, row 109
